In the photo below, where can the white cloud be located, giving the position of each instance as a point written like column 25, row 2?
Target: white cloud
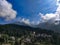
column 52, row 17
column 26, row 21
column 22, row 21
column 6, row 10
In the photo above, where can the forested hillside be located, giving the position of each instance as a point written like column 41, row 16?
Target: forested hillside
column 13, row 34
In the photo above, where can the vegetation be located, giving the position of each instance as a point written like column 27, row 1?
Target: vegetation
column 12, row 34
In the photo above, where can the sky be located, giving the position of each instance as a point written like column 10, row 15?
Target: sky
column 30, row 9
column 30, row 12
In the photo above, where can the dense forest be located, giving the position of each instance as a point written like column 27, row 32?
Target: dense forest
column 12, row 34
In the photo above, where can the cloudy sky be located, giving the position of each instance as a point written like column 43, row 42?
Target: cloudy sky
column 30, row 12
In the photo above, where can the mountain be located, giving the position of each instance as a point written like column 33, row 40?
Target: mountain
column 13, row 29
column 49, row 26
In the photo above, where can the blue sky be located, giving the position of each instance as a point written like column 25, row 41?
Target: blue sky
column 27, row 10
column 30, row 9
